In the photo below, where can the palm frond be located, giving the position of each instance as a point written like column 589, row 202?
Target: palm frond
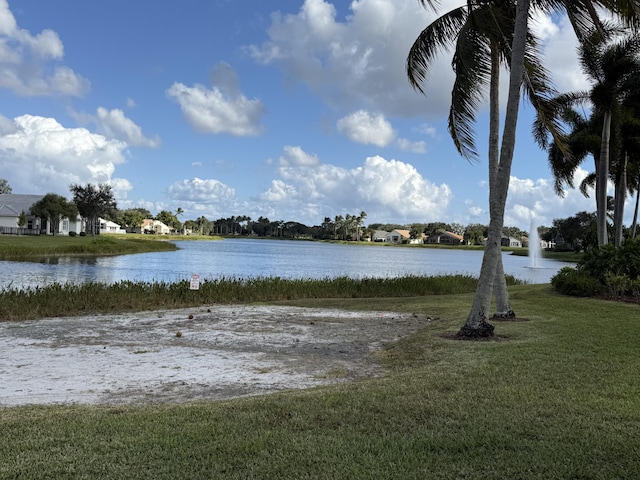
column 439, row 35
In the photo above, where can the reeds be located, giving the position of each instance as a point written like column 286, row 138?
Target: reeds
column 81, row 299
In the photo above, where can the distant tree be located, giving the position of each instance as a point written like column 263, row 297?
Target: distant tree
column 93, row 202
column 4, row 186
column 456, row 228
column 54, row 208
column 204, row 225
column 436, row 227
column 22, row 219
column 475, row 234
column 578, row 231
column 514, row 232
column 169, row 219
column 179, row 212
column 133, row 217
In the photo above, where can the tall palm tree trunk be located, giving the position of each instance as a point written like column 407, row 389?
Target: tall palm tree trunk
column 501, row 294
column 602, row 174
column 621, row 196
column 476, row 325
column 635, row 212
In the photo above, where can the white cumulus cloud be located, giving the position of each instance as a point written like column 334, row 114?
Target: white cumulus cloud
column 388, row 190
column 364, row 127
column 29, row 64
column 365, row 54
column 208, row 197
column 220, row 109
column 114, row 124
column 41, row 155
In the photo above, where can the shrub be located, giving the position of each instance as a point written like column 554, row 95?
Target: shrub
column 601, row 261
column 634, row 289
column 72, row 234
column 618, row 285
column 577, row 283
column 83, row 234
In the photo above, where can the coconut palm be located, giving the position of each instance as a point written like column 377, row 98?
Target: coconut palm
column 483, row 35
column 581, row 13
column 614, row 69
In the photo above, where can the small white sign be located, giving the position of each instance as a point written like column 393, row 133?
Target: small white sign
column 195, row 282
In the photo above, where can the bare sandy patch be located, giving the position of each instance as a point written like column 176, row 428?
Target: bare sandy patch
column 205, row 353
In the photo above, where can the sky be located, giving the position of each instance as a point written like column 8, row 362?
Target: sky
column 294, row 110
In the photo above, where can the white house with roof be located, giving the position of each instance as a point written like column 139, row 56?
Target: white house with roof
column 107, row 226
column 399, row 236
column 507, row 241
column 12, row 206
column 379, row 236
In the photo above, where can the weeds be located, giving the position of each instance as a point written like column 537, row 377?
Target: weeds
column 71, row 299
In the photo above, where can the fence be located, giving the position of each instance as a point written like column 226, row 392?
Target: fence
column 18, row 231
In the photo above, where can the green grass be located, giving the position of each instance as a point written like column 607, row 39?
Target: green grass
column 26, row 248
column 556, row 396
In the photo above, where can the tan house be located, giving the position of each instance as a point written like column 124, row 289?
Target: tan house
column 155, row 226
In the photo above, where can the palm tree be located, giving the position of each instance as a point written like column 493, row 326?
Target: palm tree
column 614, row 69
column 611, row 67
column 483, row 34
column 580, row 12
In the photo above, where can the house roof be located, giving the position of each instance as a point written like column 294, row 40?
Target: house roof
column 404, row 233
column 454, row 235
column 13, row 204
column 109, row 223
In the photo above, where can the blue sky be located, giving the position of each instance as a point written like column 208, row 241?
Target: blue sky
column 293, row 110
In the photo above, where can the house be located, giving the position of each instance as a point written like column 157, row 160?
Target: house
column 445, row 238
column 379, row 236
column 155, row 226
column 507, row 241
column 107, row 226
column 398, row 236
column 13, row 204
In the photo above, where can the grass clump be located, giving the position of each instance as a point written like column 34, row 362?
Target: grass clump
column 553, row 397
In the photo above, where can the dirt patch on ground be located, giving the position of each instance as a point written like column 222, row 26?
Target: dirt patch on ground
column 183, row 355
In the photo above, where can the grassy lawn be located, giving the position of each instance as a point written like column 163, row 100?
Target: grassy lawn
column 27, row 248
column 556, row 396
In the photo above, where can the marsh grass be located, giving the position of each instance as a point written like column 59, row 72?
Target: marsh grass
column 28, row 248
column 556, row 396
column 124, row 296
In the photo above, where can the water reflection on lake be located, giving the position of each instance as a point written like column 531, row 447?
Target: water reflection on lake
column 250, row 258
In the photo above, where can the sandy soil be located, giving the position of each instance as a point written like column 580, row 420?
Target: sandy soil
column 190, row 354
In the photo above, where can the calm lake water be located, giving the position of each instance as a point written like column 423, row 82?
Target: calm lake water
column 250, row 258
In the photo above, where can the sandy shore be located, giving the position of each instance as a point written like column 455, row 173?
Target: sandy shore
column 204, row 353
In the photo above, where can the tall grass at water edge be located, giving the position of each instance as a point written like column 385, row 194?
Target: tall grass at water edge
column 81, row 299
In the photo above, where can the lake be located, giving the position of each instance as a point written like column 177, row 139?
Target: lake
column 251, row 258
